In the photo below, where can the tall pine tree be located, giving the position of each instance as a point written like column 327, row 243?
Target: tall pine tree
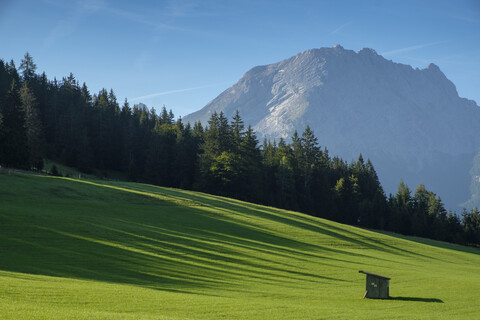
column 33, row 127
column 27, row 67
column 13, row 147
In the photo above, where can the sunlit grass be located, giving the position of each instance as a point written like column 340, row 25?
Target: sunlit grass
column 90, row 249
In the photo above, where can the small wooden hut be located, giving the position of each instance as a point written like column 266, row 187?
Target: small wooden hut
column 377, row 286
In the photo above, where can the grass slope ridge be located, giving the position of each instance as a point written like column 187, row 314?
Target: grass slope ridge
column 115, row 250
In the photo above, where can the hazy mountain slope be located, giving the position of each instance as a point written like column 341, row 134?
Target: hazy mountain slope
column 410, row 122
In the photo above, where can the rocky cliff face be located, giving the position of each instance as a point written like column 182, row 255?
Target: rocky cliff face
column 410, row 122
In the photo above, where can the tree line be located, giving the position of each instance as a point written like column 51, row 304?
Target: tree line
column 62, row 121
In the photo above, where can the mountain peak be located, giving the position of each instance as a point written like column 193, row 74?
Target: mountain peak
column 408, row 121
column 368, row 51
column 433, row 67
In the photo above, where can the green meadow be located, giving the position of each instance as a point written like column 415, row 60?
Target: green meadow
column 92, row 249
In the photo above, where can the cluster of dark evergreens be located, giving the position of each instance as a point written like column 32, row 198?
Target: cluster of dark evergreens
column 60, row 120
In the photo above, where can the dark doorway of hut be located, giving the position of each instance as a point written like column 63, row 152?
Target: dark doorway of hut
column 377, row 286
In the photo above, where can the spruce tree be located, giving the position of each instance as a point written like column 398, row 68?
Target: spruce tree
column 238, row 133
column 13, row 73
column 33, row 127
column 13, row 147
column 209, row 150
column 249, row 170
column 27, row 67
column 310, row 152
column 224, row 133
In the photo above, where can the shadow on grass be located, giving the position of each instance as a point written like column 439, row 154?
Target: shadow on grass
column 234, row 208
column 433, row 243
column 349, row 238
column 417, row 299
column 68, row 229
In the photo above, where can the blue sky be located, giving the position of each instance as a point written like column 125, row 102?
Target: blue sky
column 182, row 54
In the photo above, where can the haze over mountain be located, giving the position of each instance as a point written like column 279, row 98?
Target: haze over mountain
column 410, row 122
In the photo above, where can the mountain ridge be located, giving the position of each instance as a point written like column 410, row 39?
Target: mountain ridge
column 405, row 119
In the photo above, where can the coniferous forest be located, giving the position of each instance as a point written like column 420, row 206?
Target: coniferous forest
column 62, row 121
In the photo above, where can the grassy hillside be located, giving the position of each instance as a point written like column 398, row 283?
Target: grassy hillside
column 85, row 249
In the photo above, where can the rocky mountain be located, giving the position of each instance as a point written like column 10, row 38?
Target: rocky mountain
column 410, row 122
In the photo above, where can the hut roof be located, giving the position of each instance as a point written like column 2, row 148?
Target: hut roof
column 373, row 274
